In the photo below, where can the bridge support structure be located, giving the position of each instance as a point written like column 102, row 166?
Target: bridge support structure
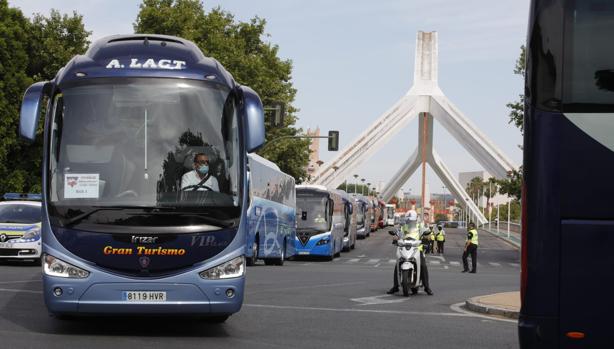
column 426, row 101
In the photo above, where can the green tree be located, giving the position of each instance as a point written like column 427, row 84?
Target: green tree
column 475, row 188
column 29, row 51
column 240, row 48
column 54, row 40
column 517, row 107
column 14, row 57
column 512, row 185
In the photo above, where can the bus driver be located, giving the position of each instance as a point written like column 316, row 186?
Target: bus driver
column 199, row 178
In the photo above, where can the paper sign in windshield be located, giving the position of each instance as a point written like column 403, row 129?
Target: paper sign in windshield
column 81, row 186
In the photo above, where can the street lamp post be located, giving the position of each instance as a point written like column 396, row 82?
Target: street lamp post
column 355, row 182
column 445, row 206
column 362, row 188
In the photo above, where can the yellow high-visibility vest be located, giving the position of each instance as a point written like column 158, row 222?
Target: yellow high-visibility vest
column 474, row 236
column 441, row 236
column 414, row 234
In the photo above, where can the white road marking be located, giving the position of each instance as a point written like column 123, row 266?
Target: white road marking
column 454, row 263
column 438, row 257
column 19, row 281
column 309, row 286
column 350, row 310
column 495, row 264
column 373, row 261
column 383, row 299
column 446, row 267
column 515, row 265
column 377, row 265
column 458, row 307
column 362, row 255
column 19, row 291
column 435, row 262
column 392, row 261
column 353, row 260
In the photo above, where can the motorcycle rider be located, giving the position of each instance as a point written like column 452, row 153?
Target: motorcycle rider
column 411, row 230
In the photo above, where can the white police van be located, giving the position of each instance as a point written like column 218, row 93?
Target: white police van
column 20, row 227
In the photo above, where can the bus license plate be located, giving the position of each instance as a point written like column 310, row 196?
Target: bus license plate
column 144, row 296
column 6, row 245
column 303, row 253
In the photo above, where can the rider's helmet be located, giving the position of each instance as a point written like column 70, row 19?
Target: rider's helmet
column 411, row 215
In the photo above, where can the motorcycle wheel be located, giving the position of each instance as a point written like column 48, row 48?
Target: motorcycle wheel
column 405, row 282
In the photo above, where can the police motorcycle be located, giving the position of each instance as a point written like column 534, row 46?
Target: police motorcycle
column 408, row 262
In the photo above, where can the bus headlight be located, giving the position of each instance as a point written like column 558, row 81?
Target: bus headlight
column 56, row 267
column 234, row 268
column 323, row 242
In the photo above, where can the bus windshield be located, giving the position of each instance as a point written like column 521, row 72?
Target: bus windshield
column 125, row 150
column 24, row 214
column 360, row 214
column 312, row 212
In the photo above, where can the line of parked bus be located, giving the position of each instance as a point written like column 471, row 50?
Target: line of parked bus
column 285, row 220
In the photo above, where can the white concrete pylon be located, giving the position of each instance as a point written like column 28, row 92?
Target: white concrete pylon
column 424, row 96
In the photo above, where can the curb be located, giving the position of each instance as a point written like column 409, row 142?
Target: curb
column 474, row 305
column 509, row 241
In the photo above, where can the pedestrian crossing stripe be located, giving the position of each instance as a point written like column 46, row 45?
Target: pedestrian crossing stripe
column 379, row 261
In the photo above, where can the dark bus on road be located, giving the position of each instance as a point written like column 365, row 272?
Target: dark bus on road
column 568, row 219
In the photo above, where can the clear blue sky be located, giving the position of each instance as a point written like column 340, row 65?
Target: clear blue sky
column 354, row 59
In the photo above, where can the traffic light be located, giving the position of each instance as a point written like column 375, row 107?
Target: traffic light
column 278, row 110
column 333, row 140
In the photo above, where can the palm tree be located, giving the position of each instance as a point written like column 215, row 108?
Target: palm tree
column 475, row 187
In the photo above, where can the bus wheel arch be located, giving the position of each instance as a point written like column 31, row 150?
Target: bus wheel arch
column 255, row 249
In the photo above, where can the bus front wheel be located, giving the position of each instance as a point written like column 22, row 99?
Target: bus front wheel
column 254, row 258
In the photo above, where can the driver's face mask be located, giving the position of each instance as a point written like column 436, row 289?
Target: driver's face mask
column 203, row 169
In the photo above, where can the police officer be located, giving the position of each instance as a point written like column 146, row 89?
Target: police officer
column 411, row 230
column 432, row 240
column 441, row 238
column 471, row 248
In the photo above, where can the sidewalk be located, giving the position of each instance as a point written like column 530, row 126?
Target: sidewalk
column 506, row 304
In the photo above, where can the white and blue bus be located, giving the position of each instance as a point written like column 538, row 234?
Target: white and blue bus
column 349, row 224
column 144, row 179
column 364, row 212
column 272, row 213
column 320, row 221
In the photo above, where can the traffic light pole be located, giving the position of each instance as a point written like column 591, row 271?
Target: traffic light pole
column 293, row 137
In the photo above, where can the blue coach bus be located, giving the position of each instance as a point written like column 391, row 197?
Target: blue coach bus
column 363, row 216
column 568, row 220
column 320, row 221
column 144, row 179
column 271, row 214
column 349, row 217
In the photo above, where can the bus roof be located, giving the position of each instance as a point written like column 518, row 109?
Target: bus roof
column 144, row 55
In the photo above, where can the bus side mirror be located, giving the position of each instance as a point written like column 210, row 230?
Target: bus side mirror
column 31, row 110
column 253, row 118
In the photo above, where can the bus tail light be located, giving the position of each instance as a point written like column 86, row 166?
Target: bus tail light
column 575, row 335
column 234, row 268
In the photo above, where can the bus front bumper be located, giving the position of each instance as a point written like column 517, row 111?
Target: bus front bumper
column 315, row 246
column 182, row 297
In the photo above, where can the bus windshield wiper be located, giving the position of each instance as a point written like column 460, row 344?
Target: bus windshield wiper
column 225, row 223
column 76, row 219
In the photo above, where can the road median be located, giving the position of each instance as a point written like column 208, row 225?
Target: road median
column 506, row 304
